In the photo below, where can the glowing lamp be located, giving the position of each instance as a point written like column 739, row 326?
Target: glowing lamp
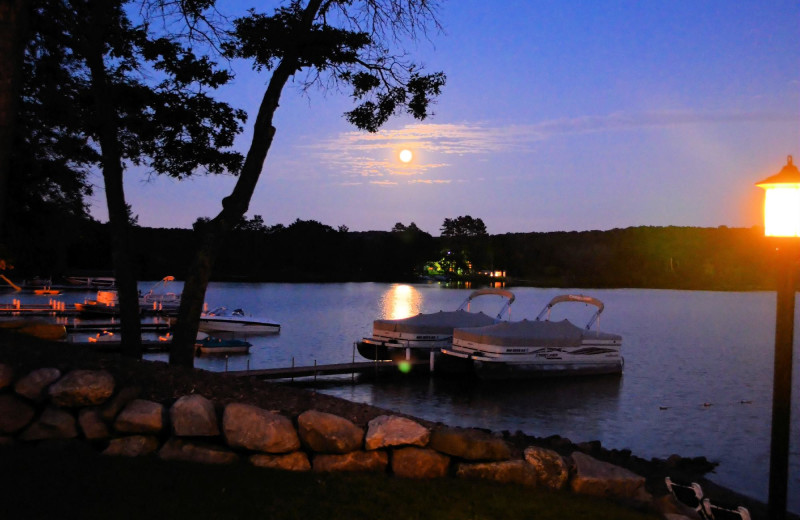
column 782, row 202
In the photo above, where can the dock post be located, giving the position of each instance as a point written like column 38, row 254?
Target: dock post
column 431, row 362
column 315, row 371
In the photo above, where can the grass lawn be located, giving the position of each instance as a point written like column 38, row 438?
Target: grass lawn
column 65, row 482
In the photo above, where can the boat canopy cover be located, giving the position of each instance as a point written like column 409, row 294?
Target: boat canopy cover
column 531, row 333
column 442, row 322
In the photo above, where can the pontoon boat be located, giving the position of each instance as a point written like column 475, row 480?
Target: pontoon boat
column 423, row 334
column 542, row 347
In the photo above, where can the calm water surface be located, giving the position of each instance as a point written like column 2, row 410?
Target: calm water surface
column 697, row 378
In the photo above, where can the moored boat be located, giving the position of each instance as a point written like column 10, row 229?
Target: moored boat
column 159, row 298
column 523, row 349
column 425, row 334
column 105, row 304
column 91, row 281
column 222, row 320
column 214, row 345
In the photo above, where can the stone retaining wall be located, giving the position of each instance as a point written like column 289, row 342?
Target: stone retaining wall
column 85, row 404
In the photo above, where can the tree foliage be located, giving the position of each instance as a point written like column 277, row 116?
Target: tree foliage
column 105, row 93
column 337, row 44
column 463, row 226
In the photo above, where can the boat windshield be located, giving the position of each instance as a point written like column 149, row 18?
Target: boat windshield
column 505, row 309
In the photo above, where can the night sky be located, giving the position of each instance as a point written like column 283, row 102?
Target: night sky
column 557, row 115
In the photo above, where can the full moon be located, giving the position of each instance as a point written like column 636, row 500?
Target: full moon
column 406, row 156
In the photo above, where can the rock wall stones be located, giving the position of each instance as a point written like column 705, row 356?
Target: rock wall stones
column 85, row 404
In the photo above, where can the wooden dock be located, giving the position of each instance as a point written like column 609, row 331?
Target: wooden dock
column 74, row 328
column 359, row 367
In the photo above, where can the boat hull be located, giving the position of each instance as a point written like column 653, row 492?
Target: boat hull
column 238, row 326
column 92, row 308
column 221, row 346
column 381, row 349
column 525, row 367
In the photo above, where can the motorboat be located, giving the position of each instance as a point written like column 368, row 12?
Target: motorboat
column 521, row 349
column 224, row 346
column 222, row 320
column 160, row 299
column 425, row 334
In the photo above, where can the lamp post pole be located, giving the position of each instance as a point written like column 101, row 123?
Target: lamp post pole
column 782, row 221
column 782, row 386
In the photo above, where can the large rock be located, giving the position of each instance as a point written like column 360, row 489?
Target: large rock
column 82, row 388
column 352, row 461
column 194, row 416
column 180, row 449
column 6, row 375
column 54, row 423
column 132, row 446
column 114, row 406
column 256, row 429
column 34, row 384
column 507, row 472
column 141, row 416
column 391, row 430
column 413, row 462
column 295, row 461
column 15, row 414
column 550, row 467
column 469, row 444
column 598, row 478
column 92, row 424
column 328, row 433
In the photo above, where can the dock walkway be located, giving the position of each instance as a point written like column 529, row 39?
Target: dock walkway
column 358, row 367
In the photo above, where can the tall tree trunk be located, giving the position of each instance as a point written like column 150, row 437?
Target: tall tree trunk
column 111, row 161
column 14, row 16
column 233, row 208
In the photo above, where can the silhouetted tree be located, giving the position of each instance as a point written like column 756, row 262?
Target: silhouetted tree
column 337, row 43
column 464, row 226
column 13, row 35
column 169, row 124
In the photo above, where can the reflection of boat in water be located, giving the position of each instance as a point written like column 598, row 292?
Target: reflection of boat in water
column 105, row 304
column 423, row 334
column 159, row 299
column 221, row 320
column 536, row 348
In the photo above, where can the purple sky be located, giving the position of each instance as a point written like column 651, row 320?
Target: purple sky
column 556, row 116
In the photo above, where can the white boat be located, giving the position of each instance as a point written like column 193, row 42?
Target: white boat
column 159, row 298
column 537, row 348
column 221, row 320
column 419, row 336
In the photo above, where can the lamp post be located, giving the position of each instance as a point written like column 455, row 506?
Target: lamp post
column 782, row 219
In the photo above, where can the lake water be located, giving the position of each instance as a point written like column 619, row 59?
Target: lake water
column 697, row 379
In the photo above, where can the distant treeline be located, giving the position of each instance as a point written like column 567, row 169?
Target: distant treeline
column 307, row 251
